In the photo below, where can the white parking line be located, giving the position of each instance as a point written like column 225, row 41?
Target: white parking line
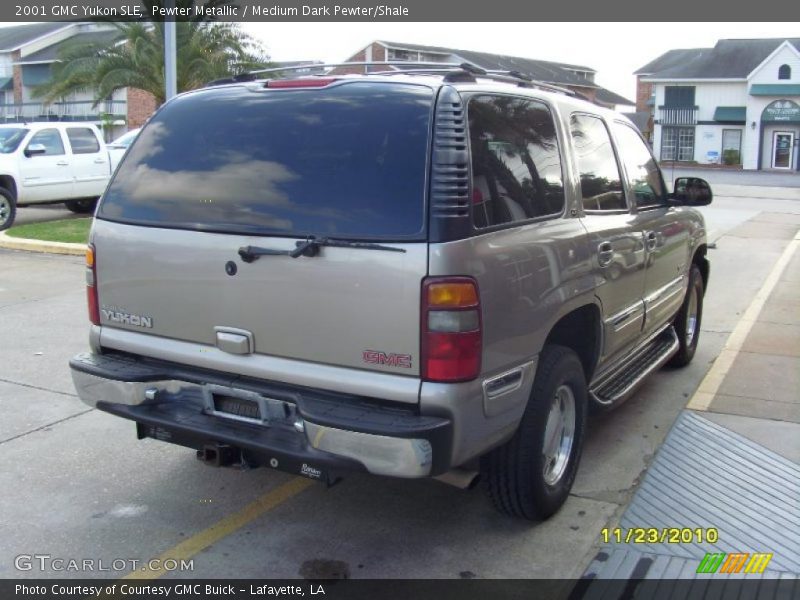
column 713, row 380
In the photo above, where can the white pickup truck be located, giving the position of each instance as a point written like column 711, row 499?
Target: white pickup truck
column 50, row 162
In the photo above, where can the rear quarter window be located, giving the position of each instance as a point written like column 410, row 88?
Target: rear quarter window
column 516, row 166
column 348, row 160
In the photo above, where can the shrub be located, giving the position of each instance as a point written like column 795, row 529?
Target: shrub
column 731, row 157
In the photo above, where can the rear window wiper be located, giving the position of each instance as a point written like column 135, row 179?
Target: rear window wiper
column 310, row 247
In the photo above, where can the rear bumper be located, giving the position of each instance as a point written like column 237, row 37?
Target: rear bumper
column 313, row 433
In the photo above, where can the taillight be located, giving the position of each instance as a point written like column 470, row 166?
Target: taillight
column 91, row 285
column 451, row 329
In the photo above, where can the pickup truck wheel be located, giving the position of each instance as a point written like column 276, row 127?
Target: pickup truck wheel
column 81, row 206
column 531, row 475
column 687, row 321
column 8, row 209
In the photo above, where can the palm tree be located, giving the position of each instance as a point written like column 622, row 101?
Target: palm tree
column 135, row 58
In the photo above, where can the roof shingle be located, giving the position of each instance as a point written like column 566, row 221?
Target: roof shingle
column 18, row 35
column 51, row 53
column 728, row 59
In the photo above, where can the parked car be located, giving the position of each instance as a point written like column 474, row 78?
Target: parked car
column 43, row 163
column 412, row 275
column 119, row 146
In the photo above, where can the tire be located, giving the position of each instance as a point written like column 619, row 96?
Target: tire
column 82, row 206
column 8, row 209
column 687, row 321
column 520, row 481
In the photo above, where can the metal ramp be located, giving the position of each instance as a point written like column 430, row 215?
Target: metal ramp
column 705, row 476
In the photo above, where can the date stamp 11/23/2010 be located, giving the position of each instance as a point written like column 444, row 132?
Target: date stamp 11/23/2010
column 659, row 535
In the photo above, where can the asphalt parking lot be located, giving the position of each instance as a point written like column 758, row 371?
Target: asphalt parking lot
column 78, row 485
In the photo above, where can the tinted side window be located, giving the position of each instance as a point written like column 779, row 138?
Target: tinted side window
column 601, row 184
column 82, row 140
column 644, row 178
column 516, row 167
column 51, row 140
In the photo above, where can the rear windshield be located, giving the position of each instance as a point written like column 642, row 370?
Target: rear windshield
column 345, row 161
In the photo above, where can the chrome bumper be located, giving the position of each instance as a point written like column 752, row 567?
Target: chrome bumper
column 392, row 455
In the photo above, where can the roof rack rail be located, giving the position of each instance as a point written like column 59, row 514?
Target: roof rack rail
column 252, row 75
column 452, row 72
column 352, row 64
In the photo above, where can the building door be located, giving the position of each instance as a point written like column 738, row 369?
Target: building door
column 782, row 149
column 732, row 146
column 677, row 143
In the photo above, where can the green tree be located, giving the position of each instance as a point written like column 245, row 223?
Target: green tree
column 206, row 50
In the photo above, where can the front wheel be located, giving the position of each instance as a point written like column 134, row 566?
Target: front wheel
column 531, row 475
column 687, row 321
column 83, row 206
column 8, row 209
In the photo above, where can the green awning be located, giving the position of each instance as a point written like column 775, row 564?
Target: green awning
column 730, row 114
column 775, row 89
column 6, row 83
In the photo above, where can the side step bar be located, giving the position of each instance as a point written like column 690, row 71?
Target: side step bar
column 618, row 385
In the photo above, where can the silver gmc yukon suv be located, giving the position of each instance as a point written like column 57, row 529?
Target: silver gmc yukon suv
column 420, row 274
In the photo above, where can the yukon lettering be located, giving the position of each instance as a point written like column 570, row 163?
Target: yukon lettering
column 116, row 316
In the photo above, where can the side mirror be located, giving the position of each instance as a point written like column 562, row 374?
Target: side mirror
column 692, row 191
column 35, row 149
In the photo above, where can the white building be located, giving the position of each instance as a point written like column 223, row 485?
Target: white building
column 737, row 103
column 27, row 54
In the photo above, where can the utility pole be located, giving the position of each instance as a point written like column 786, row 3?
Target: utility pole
column 170, row 69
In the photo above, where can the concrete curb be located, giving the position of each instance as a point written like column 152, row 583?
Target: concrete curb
column 12, row 243
column 755, row 191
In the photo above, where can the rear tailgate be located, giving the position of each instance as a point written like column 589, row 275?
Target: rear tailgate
column 219, row 170
column 333, row 308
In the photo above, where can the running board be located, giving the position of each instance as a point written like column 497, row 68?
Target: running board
column 619, row 384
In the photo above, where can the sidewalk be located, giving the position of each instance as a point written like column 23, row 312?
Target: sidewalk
column 732, row 459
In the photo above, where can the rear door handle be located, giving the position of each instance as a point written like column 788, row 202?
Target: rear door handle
column 62, row 163
column 99, row 161
column 605, row 253
column 651, row 240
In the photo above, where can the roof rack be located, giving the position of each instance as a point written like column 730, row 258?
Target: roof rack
column 464, row 72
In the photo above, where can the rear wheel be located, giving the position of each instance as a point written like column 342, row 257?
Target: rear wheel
column 8, row 209
column 83, row 206
column 531, row 475
column 687, row 321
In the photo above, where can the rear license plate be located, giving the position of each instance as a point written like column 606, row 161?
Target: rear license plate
column 237, row 407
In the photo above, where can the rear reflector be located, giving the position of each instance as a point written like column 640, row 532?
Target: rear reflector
column 300, row 83
column 91, row 285
column 451, row 336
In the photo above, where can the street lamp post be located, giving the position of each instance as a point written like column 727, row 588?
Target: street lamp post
column 170, row 70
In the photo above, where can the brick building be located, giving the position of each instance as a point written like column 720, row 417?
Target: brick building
column 574, row 77
column 27, row 53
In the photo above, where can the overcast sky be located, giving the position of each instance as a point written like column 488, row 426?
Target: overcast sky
column 615, row 50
